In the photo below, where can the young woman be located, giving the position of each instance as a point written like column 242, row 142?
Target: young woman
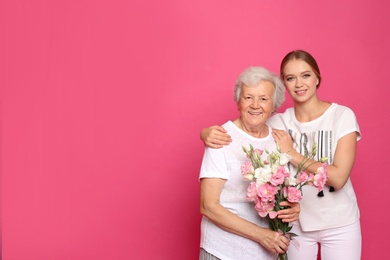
column 331, row 218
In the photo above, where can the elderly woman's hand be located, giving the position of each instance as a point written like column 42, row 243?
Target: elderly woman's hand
column 215, row 136
column 290, row 214
column 273, row 241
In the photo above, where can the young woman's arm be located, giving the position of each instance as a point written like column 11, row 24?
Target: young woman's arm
column 339, row 171
column 215, row 136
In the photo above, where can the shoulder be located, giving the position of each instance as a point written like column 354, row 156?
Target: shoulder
column 229, row 126
column 340, row 110
column 345, row 119
column 280, row 120
column 275, row 121
column 288, row 113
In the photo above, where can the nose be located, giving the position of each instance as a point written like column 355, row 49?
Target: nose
column 256, row 103
column 298, row 82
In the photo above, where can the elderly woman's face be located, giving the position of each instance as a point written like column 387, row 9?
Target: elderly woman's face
column 256, row 103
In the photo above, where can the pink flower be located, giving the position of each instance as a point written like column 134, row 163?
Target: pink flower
column 277, row 178
column 302, row 177
column 272, row 214
column 251, row 194
column 247, row 170
column 293, row 194
column 257, row 153
column 267, row 192
column 284, row 171
column 263, row 208
column 321, row 177
column 310, row 177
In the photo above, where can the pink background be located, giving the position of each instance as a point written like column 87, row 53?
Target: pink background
column 103, row 102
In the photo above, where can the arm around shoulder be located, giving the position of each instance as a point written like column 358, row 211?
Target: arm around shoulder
column 215, row 136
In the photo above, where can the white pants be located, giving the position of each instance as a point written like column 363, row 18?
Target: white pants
column 336, row 243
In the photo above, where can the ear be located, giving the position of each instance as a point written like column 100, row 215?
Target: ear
column 317, row 82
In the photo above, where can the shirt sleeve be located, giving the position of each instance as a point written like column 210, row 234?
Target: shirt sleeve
column 348, row 124
column 276, row 121
column 214, row 164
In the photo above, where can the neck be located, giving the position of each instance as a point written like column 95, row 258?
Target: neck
column 308, row 111
column 258, row 131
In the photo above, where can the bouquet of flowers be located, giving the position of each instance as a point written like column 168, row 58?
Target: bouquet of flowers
column 272, row 183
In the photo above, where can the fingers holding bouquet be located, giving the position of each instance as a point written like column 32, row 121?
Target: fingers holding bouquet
column 274, row 241
column 290, row 213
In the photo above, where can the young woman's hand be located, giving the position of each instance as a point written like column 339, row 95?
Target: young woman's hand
column 290, row 214
column 283, row 139
column 215, row 136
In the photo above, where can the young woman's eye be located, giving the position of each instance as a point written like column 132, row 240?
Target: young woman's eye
column 305, row 76
column 289, row 78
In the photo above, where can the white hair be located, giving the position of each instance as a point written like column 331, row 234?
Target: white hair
column 252, row 76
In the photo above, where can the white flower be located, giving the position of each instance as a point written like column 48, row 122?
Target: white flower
column 291, row 181
column 248, row 177
column 284, row 159
column 274, row 168
column 263, row 174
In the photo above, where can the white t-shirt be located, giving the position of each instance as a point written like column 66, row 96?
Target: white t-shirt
column 225, row 163
column 337, row 208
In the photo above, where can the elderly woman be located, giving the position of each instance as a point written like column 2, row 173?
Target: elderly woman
column 231, row 227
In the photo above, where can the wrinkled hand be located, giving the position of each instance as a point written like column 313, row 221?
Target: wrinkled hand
column 283, row 139
column 290, row 214
column 274, row 241
column 215, row 136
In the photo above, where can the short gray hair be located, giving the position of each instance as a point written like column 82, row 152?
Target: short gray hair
column 252, row 76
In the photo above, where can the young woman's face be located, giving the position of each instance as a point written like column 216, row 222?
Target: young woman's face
column 256, row 103
column 300, row 80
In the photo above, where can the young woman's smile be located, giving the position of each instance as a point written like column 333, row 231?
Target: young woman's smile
column 300, row 80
